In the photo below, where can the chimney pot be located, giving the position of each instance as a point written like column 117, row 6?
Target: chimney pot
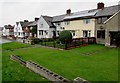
column 68, row 11
column 36, row 19
column 100, row 5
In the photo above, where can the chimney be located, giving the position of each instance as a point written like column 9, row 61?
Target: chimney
column 100, row 5
column 68, row 11
column 36, row 19
column 25, row 20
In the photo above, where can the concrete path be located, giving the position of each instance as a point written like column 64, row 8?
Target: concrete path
column 3, row 40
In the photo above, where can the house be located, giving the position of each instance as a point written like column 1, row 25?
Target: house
column 107, row 25
column 33, row 25
column 1, row 29
column 8, row 31
column 45, row 27
column 21, row 29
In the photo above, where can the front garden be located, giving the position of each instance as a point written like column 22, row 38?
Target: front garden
column 101, row 66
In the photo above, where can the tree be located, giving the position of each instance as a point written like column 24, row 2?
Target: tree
column 33, row 31
column 117, row 37
column 65, row 36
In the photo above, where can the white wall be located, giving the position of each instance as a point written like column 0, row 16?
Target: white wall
column 19, row 28
column 5, row 32
column 45, row 27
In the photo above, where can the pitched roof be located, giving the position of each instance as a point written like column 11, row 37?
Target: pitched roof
column 108, row 11
column 24, row 24
column 33, row 23
column 48, row 19
column 81, row 14
column 58, row 18
column 9, row 27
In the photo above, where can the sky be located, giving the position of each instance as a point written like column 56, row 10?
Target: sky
column 12, row 11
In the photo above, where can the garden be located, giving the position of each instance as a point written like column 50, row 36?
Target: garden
column 101, row 66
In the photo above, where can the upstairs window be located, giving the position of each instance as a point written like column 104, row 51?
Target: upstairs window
column 67, row 23
column 86, row 21
column 101, row 20
column 41, row 25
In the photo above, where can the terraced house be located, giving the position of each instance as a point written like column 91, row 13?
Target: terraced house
column 21, row 29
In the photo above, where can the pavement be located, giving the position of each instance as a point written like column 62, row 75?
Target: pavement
column 4, row 40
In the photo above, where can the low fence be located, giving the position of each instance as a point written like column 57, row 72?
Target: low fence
column 68, row 44
column 45, row 72
column 18, row 59
column 41, row 70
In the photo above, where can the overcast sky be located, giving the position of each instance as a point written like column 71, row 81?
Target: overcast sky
column 12, row 11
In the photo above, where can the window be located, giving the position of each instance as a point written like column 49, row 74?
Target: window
column 41, row 25
column 86, row 33
column 58, row 24
column 58, row 32
column 46, row 32
column 41, row 32
column 18, row 33
column 73, row 33
column 102, row 20
column 67, row 23
column 101, row 34
column 86, row 21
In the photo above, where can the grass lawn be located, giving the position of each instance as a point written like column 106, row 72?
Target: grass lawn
column 88, row 48
column 14, row 45
column 101, row 66
column 14, row 71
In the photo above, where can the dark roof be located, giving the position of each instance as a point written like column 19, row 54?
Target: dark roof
column 17, row 23
column 58, row 18
column 24, row 24
column 108, row 11
column 48, row 19
column 33, row 23
column 9, row 27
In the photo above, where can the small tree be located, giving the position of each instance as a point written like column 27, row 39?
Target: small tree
column 33, row 31
column 65, row 36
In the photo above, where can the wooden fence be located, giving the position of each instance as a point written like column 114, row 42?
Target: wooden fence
column 69, row 44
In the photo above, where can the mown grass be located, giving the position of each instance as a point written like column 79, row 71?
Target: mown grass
column 12, row 70
column 88, row 48
column 101, row 66
column 14, row 45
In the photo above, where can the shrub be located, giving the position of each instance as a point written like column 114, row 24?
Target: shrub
column 35, row 40
column 58, row 41
column 65, row 36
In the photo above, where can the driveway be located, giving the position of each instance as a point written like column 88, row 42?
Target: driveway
column 3, row 40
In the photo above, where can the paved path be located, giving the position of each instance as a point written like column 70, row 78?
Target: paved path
column 3, row 40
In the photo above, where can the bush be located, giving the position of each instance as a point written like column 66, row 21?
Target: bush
column 65, row 36
column 35, row 40
column 58, row 41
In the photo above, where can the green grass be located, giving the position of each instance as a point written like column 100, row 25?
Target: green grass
column 14, row 71
column 101, row 66
column 88, row 48
column 14, row 45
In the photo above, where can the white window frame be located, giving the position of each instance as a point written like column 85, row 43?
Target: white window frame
column 88, row 33
column 67, row 22
column 86, row 21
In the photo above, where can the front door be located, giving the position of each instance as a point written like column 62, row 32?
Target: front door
column 113, row 40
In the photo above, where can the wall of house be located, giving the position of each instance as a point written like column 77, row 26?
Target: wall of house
column 112, row 25
column 99, row 27
column 16, row 31
column 79, row 26
column 45, row 27
column 5, row 32
column 20, row 31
